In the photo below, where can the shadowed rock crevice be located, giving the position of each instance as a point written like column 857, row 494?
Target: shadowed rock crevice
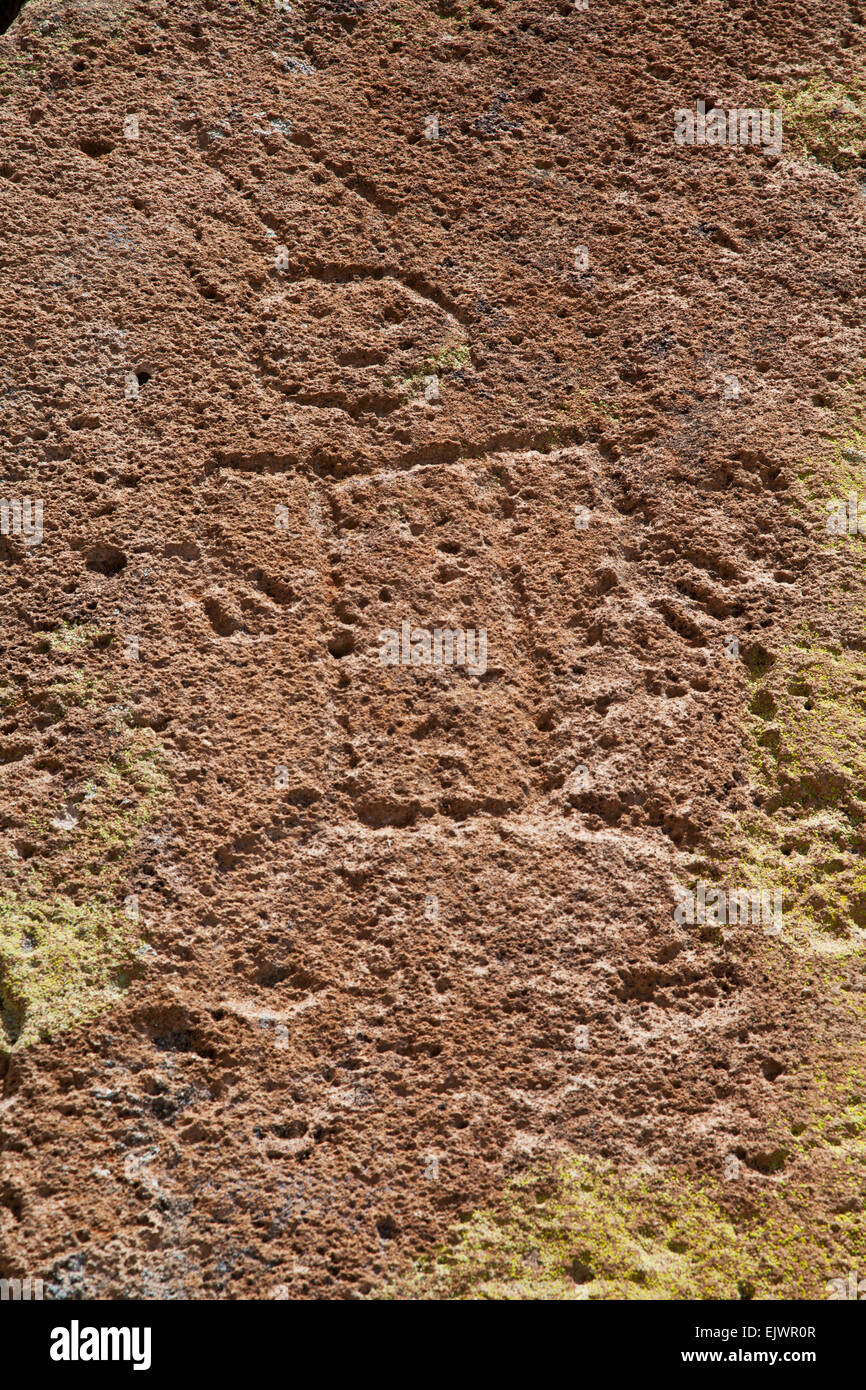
column 9, row 11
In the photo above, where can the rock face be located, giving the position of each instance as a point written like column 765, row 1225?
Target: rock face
column 427, row 663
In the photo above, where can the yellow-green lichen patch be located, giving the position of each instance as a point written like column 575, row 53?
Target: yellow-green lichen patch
column 589, row 1230
column 832, row 490
column 826, row 120
column 59, row 964
column 823, row 1105
column 67, row 946
column 119, row 800
column 581, row 404
column 806, row 723
column 70, row 637
column 807, row 720
column 77, row 690
column 452, row 357
column 836, row 1117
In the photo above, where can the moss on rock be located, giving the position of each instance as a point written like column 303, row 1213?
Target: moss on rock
column 65, row 956
column 807, row 833
column 587, row 1230
column 59, row 964
column 825, row 119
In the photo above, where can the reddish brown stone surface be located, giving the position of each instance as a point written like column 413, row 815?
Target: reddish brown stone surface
column 381, row 899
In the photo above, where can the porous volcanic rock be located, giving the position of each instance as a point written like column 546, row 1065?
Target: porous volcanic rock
column 328, row 328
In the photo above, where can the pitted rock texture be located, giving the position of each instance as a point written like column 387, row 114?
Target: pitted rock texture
column 289, row 365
